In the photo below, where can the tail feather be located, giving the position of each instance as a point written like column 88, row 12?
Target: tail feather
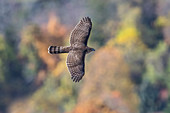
column 58, row 49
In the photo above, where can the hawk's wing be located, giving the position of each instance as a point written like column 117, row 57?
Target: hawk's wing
column 81, row 32
column 75, row 64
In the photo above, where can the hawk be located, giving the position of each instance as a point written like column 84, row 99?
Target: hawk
column 77, row 50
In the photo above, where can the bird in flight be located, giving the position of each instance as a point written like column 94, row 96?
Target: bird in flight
column 77, row 50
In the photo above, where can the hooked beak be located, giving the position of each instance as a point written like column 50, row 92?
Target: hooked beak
column 93, row 49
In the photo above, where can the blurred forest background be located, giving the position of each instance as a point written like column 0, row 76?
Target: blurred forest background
column 128, row 73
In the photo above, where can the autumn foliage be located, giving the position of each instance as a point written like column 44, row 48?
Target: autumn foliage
column 128, row 72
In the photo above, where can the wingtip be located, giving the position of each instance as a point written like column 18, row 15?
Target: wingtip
column 88, row 17
column 76, row 78
column 85, row 19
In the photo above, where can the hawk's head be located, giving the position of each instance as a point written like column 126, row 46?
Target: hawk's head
column 90, row 50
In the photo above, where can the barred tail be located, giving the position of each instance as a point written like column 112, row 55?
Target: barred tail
column 58, row 49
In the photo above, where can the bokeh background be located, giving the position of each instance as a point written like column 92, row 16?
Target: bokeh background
column 128, row 73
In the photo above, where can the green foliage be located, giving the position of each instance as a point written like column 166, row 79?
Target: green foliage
column 7, row 60
column 2, row 59
column 162, row 21
column 100, row 12
column 157, row 63
column 11, row 81
column 155, row 79
column 60, row 93
column 150, row 33
column 28, row 51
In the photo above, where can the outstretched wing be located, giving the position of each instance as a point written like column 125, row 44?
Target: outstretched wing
column 75, row 64
column 81, row 32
